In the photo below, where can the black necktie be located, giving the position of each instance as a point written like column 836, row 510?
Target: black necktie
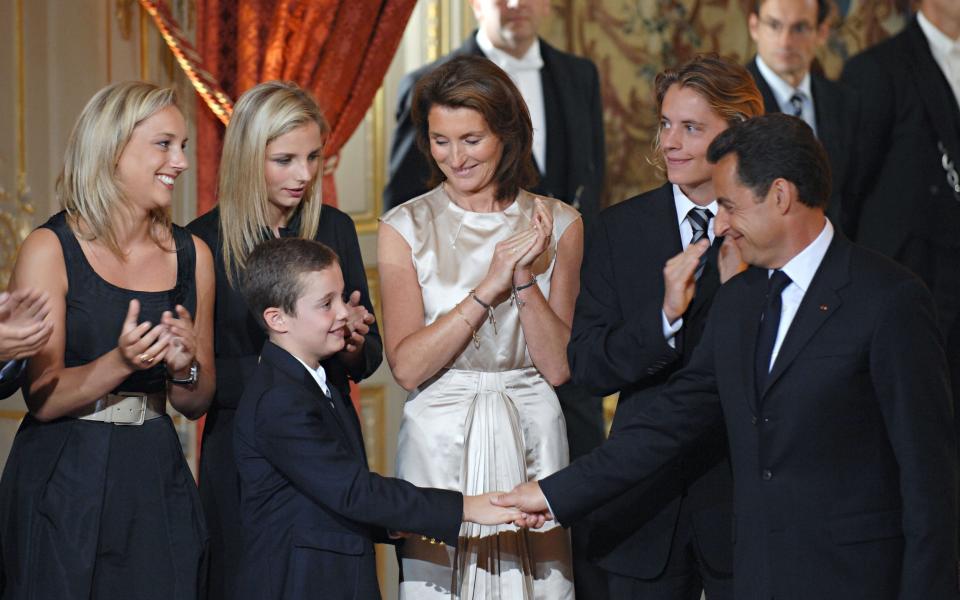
column 796, row 100
column 699, row 220
column 769, row 324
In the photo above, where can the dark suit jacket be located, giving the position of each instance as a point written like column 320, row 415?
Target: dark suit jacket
column 903, row 204
column 836, row 109
column 308, row 503
column 845, row 469
column 575, row 144
column 11, row 375
column 617, row 344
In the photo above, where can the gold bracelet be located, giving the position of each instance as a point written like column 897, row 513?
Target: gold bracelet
column 487, row 307
column 473, row 332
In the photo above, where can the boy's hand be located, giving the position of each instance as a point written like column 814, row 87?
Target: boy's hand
column 481, row 510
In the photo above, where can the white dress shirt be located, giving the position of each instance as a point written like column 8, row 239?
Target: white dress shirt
column 782, row 91
column 800, row 269
column 319, row 375
column 946, row 53
column 525, row 73
column 684, row 205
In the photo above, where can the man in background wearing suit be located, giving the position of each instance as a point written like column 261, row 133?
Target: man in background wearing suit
column 826, row 367
column 562, row 92
column 24, row 329
column 642, row 307
column 907, row 190
column 788, row 34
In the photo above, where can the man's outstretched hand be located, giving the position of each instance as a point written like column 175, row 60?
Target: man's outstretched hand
column 530, row 501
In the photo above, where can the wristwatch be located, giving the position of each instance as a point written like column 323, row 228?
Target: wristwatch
column 191, row 379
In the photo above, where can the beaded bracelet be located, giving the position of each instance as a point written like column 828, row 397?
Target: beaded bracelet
column 473, row 332
column 515, row 295
column 486, row 307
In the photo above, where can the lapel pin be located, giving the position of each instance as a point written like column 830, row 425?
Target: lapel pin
column 824, row 307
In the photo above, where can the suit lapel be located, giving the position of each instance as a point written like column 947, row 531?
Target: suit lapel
column 348, row 422
column 770, row 104
column 708, row 283
column 828, row 110
column 571, row 114
column 332, row 406
column 755, row 280
column 933, row 89
column 819, row 303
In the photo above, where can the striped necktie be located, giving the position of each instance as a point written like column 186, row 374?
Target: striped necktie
column 796, row 101
column 699, row 219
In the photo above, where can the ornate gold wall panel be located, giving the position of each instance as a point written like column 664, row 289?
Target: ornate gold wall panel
column 632, row 40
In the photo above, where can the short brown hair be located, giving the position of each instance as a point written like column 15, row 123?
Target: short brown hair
column 273, row 277
column 476, row 83
column 823, row 9
column 727, row 87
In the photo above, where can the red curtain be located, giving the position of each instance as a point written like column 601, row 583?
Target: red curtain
column 337, row 49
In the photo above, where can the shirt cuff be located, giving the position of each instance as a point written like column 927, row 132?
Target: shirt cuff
column 670, row 331
column 550, row 508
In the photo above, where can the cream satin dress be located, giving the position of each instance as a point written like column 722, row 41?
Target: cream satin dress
column 489, row 420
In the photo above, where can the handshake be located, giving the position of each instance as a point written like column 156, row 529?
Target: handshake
column 524, row 506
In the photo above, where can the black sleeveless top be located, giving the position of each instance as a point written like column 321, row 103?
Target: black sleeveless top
column 96, row 308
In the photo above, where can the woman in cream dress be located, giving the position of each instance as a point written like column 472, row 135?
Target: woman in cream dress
column 479, row 279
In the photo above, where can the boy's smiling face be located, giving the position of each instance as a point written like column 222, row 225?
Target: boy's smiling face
column 316, row 331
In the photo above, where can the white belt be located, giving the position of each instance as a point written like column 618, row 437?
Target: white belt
column 127, row 408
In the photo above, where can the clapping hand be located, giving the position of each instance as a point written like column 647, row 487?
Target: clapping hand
column 515, row 254
column 182, row 349
column 24, row 327
column 542, row 227
column 141, row 345
column 359, row 320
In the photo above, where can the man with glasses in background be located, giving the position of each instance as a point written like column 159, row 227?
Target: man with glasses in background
column 788, row 34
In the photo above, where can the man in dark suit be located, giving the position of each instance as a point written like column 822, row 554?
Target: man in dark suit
column 906, row 201
column 642, row 307
column 825, row 365
column 787, row 34
column 24, row 330
column 310, row 508
column 562, row 92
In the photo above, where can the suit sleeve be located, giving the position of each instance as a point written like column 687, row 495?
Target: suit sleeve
column 655, row 435
column 11, row 377
column 909, row 373
column 609, row 350
column 876, row 116
column 409, row 169
column 293, row 436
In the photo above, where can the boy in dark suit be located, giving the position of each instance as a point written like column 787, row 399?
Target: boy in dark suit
column 310, row 508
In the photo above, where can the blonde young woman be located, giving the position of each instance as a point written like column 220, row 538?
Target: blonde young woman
column 96, row 499
column 269, row 187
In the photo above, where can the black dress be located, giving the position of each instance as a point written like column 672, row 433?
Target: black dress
column 91, row 510
column 238, row 340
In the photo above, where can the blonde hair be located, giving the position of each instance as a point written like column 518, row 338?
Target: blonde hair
column 262, row 114
column 87, row 187
column 727, row 86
